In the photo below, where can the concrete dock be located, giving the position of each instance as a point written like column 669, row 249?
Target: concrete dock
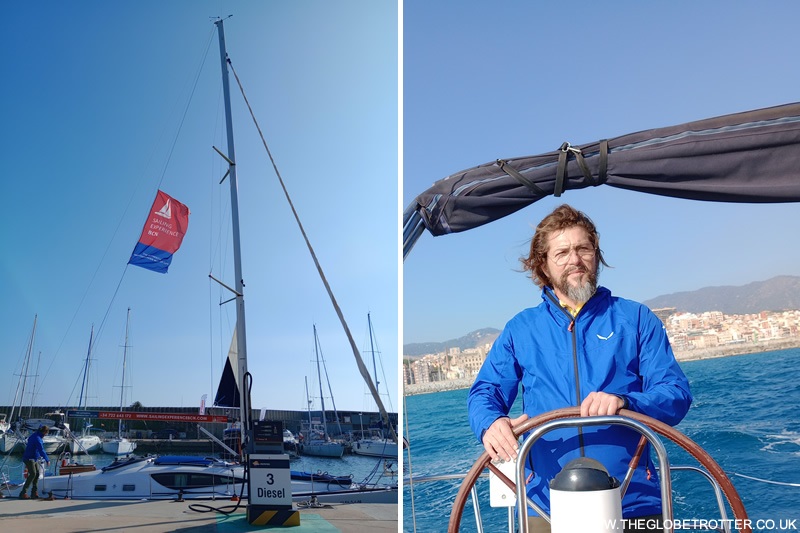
column 60, row 516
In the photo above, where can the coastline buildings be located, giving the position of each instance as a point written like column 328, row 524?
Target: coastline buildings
column 692, row 335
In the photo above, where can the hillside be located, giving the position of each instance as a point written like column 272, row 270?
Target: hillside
column 775, row 294
column 470, row 340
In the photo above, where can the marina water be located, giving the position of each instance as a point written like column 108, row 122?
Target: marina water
column 744, row 414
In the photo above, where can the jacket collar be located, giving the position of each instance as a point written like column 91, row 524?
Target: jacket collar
column 552, row 302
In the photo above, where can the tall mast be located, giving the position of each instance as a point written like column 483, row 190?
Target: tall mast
column 308, row 407
column 237, row 258
column 124, row 360
column 23, row 378
column 85, row 383
column 372, row 348
column 319, row 376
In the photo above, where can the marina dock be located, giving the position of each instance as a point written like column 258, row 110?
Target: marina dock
column 61, row 516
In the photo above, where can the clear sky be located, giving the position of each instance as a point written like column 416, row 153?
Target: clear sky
column 489, row 80
column 97, row 115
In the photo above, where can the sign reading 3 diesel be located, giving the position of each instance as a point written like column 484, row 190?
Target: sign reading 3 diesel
column 270, row 481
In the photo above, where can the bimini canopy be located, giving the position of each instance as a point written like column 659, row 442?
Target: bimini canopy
column 745, row 157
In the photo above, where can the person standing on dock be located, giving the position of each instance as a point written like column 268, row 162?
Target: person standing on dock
column 34, row 451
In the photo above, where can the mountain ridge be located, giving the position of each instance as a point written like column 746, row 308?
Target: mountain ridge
column 775, row 294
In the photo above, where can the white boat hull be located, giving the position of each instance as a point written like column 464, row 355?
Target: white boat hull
column 323, row 449
column 146, row 479
column 386, row 449
column 87, row 444
column 53, row 444
column 119, row 447
column 9, row 443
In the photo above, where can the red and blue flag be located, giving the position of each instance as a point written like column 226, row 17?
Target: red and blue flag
column 162, row 234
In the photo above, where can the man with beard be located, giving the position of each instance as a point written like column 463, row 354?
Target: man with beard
column 580, row 347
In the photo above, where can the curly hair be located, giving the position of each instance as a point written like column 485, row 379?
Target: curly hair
column 563, row 217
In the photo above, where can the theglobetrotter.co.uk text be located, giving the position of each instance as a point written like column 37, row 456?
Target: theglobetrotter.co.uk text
column 783, row 524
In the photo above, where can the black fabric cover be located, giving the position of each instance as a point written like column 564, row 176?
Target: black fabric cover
column 745, row 157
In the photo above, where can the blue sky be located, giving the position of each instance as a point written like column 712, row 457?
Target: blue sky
column 484, row 81
column 97, row 115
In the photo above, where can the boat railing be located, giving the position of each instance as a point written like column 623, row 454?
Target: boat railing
column 476, row 508
column 9, row 481
column 723, row 513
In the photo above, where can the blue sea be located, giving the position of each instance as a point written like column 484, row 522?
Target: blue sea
column 746, row 415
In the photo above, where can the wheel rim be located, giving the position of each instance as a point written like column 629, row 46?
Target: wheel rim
column 662, row 429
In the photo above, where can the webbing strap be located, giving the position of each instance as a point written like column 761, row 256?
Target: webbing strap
column 602, row 172
column 563, row 159
column 505, row 167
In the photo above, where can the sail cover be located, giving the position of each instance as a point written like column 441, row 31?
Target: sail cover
column 744, row 157
column 162, row 234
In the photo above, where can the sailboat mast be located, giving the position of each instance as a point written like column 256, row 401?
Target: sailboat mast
column 237, row 257
column 124, row 361
column 23, row 378
column 84, row 383
column 319, row 376
column 372, row 348
column 308, row 408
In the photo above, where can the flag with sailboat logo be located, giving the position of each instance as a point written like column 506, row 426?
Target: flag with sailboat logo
column 162, row 234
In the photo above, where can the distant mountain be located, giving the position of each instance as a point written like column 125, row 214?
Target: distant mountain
column 470, row 340
column 776, row 294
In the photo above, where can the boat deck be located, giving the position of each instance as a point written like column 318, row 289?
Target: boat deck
column 58, row 516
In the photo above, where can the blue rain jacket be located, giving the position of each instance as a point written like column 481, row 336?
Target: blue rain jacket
column 616, row 346
column 34, row 449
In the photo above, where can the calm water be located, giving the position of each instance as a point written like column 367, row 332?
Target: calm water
column 746, row 415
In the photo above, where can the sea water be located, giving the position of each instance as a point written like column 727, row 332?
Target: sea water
column 745, row 414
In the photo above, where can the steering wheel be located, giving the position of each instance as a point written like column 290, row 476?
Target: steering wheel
column 484, row 461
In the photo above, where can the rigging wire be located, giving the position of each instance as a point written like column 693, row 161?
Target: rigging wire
column 330, row 389
column 361, row 367
column 185, row 109
column 117, row 228
column 377, row 350
column 771, row 482
column 214, row 251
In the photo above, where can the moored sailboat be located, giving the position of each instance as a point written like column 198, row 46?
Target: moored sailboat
column 11, row 440
column 376, row 443
column 14, row 439
column 316, row 439
column 86, row 441
column 120, row 445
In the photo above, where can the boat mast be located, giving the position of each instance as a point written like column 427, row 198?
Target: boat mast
column 84, row 384
column 372, row 348
column 308, row 408
column 237, row 258
column 23, row 378
column 319, row 376
column 124, row 360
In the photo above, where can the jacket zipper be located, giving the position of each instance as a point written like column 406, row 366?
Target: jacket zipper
column 571, row 330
